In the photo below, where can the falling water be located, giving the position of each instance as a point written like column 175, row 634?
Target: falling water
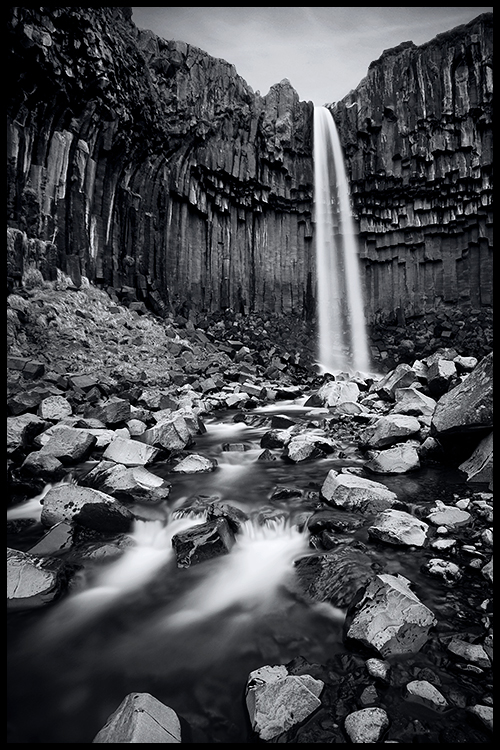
column 343, row 343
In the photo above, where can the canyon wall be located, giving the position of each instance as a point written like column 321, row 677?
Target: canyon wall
column 418, row 135
column 149, row 166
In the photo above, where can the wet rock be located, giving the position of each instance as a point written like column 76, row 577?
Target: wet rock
column 389, row 430
column 44, row 466
column 444, row 569
column 423, row 692
column 484, row 714
column 334, row 393
column 469, row 405
column 449, row 516
column 172, row 433
column 473, row 653
column 31, row 581
column 307, row 446
column 141, row 718
column 479, row 467
column 366, row 725
column 390, row 618
column 378, row 669
column 203, row 542
column 356, row 493
column 465, row 364
column 397, row 527
column 276, row 700
column 69, row 444
column 276, row 438
column 58, row 539
column 112, row 411
column 397, row 460
column 439, row 376
column 413, row 402
column 130, row 452
column 335, row 576
column 128, row 484
column 195, row 463
column 85, row 506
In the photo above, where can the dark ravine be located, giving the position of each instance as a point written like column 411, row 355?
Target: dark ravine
column 146, row 163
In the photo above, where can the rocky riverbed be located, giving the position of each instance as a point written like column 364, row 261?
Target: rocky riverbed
column 111, row 412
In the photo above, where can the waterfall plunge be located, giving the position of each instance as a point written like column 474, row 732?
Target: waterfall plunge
column 343, row 343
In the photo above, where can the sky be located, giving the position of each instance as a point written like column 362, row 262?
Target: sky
column 324, row 52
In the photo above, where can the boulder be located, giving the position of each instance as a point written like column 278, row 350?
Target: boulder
column 57, row 539
column 112, row 411
column 423, row 692
column 87, row 507
column 479, row 467
column 366, row 725
column 468, row 406
column 389, row 430
column 353, row 492
column 473, row 653
column 399, row 459
column 308, row 445
column 69, row 444
column 447, row 571
column 172, row 433
column 484, row 714
column 127, row 483
column 31, row 581
column 334, row 393
column 202, row 542
column 195, row 464
column 389, row 618
column 439, row 375
column 141, row 718
column 277, row 700
column 54, row 408
column 130, row 452
column 448, row 515
column 21, row 429
column 397, row 527
column 413, row 402
column 401, row 377
column 44, row 466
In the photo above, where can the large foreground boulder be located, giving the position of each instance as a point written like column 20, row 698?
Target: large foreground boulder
column 389, row 618
column 276, row 700
column 141, row 718
column 87, row 507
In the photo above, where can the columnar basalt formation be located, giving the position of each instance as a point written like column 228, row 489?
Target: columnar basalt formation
column 149, row 164
column 417, row 134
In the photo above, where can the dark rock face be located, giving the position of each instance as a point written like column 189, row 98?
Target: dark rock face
column 417, row 134
column 148, row 166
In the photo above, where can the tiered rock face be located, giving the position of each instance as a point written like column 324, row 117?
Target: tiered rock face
column 147, row 164
column 417, row 134
column 150, row 164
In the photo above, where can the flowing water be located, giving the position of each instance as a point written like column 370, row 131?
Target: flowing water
column 343, row 343
column 190, row 636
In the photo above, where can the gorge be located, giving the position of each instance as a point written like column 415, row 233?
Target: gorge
column 146, row 164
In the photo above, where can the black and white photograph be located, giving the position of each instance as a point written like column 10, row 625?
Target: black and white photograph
column 249, row 375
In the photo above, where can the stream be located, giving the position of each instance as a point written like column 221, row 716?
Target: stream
column 191, row 636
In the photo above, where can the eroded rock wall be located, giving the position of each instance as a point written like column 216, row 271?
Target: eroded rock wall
column 417, row 134
column 149, row 164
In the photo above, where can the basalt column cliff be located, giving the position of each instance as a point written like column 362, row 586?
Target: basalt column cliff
column 149, row 164
column 417, row 134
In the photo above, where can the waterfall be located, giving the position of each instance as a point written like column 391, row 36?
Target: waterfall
column 343, row 343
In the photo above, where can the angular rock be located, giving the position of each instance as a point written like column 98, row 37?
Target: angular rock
column 45, row 466
column 447, row 571
column 85, row 506
column 356, row 493
column 21, row 429
column 276, row 700
column 141, row 718
column 378, row 669
column 423, row 692
column 413, row 402
column 439, row 376
column 479, row 467
column 195, row 464
column 473, row 653
column 401, row 377
column 127, row 483
column 307, row 446
column 399, row 459
column 389, row 430
column 112, row 411
column 202, row 542
column 483, row 713
column 397, row 527
column 31, row 581
column 335, row 393
column 172, row 433
column 276, row 438
column 69, row 444
column 58, row 539
column 366, row 725
column 469, row 405
column 130, row 452
column 390, row 618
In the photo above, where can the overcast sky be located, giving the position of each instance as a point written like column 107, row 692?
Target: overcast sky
column 324, row 52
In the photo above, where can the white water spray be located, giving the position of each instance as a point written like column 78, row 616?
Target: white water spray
column 343, row 343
